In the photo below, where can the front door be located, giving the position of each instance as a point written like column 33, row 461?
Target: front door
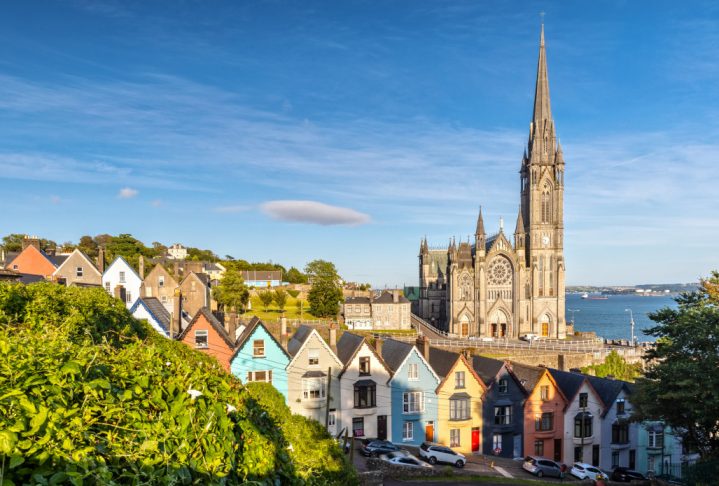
column 429, row 432
column 558, row 450
column 475, row 439
column 545, row 329
column 504, row 330
column 595, row 455
column 382, row 427
column 517, row 446
column 465, row 329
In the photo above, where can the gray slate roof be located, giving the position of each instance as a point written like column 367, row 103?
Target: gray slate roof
column 442, row 361
column 262, row 274
column 486, row 368
column 608, row 389
column 159, row 311
column 298, row 339
column 395, row 352
column 357, row 300
column 347, row 346
column 568, row 382
column 528, row 375
column 388, row 298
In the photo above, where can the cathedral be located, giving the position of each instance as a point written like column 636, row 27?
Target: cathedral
column 499, row 286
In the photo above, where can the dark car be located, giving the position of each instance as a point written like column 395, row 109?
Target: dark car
column 377, row 447
column 625, row 475
column 541, row 466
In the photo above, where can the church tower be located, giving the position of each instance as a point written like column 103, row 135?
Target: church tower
column 542, row 212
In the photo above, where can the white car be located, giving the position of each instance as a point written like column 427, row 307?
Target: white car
column 581, row 470
column 529, row 337
column 408, row 461
column 434, row 453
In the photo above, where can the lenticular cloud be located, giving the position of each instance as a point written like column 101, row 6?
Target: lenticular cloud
column 313, row 212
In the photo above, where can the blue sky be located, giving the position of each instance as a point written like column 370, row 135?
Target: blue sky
column 204, row 122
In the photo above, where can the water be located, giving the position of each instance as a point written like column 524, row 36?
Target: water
column 608, row 318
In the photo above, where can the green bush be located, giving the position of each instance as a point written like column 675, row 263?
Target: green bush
column 89, row 395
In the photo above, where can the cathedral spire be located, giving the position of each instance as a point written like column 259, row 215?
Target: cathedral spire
column 480, row 223
column 542, row 108
column 519, row 228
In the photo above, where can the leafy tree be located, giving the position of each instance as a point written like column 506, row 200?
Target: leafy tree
column 232, row 292
column 12, row 242
column 293, row 293
column 294, row 276
column 681, row 384
column 326, row 292
column 88, row 246
column 616, row 366
column 128, row 247
column 197, row 254
column 159, row 248
column 280, row 298
column 266, row 297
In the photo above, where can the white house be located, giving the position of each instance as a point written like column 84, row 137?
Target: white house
column 365, row 396
column 121, row 281
column 177, row 252
column 150, row 309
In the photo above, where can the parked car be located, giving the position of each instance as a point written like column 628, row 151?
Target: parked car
column 581, row 470
column 529, row 337
column 376, row 447
column 625, row 475
column 541, row 466
column 392, row 455
column 409, row 461
column 434, row 453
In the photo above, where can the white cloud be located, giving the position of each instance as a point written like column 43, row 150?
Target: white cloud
column 313, row 212
column 127, row 193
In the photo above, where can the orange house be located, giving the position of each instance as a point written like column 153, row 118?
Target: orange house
column 206, row 334
column 543, row 412
column 32, row 261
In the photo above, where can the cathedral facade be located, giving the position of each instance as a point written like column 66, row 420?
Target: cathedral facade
column 501, row 286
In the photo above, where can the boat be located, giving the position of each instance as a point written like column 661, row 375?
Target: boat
column 585, row 295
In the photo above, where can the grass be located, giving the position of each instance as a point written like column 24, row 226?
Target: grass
column 273, row 312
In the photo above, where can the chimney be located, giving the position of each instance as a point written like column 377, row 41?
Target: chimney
column 609, row 377
column 143, row 291
column 231, row 324
column 101, row 259
column 378, row 346
column 2, row 257
column 176, row 269
column 423, row 346
column 141, row 267
column 395, row 296
column 176, row 324
column 30, row 241
column 333, row 337
column 120, row 292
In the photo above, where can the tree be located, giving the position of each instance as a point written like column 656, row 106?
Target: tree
column 325, row 295
column 293, row 293
column 280, row 298
column 13, row 242
column 266, row 297
column 681, row 384
column 88, row 246
column 617, row 367
column 232, row 292
column 294, row 276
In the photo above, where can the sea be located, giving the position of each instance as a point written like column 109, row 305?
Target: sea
column 609, row 319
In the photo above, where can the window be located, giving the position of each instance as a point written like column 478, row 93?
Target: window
column 128, row 296
column 412, row 402
column 615, row 459
column 14, row 267
column 497, row 442
column 538, row 447
column 313, row 388
column 503, row 415
column 583, row 425
column 544, row 392
column 656, row 439
column 578, row 454
column 201, row 339
column 413, row 372
column 122, row 277
column 620, row 407
column 365, row 396
column 358, row 427
column 459, row 408
column 503, row 386
column 161, row 281
column 163, row 299
column 78, row 272
column 262, row 376
column 258, row 348
column 583, row 400
column 364, row 366
column 544, row 422
column 408, row 431
column 454, row 438
column 331, row 419
column 314, row 357
column 620, row 433
column 459, row 379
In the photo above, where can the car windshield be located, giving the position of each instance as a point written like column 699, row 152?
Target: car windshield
column 424, row 446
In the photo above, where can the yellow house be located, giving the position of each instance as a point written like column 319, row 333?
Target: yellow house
column 459, row 396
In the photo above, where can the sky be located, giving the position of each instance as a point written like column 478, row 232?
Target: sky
column 287, row 131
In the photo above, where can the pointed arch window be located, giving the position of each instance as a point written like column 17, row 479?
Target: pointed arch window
column 546, row 204
column 551, row 276
column 541, row 276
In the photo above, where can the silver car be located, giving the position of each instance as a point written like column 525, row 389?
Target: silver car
column 541, row 466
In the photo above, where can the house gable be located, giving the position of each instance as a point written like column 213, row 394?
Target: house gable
column 218, row 344
column 33, row 262
column 461, row 364
column 412, row 356
column 313, row 340
column 77, row 259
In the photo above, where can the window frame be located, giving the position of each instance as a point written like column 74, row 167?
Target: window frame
column 408, row 432
column 202, row 333
column 255, row 348
column 365, row 370
column 314, row 388
column 455, row 437
column 503, row 415
column 410, row 398
column 79, row 272
column 313, row 357
column 413, row 372
column 366, row 392
column 459, row 409
column 503, row 385
column 459, row 380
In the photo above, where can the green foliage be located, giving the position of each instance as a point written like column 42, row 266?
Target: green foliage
column 681, row 384
column 616, row 366
column 280, row 298
column 128, row 247
column 294, row 276
column 293, row 293
column 88, row 246
column 266, row 297
column 326, row 293
column 13, row 242
column 232, row 291
column 89, row 395
column 199, row 255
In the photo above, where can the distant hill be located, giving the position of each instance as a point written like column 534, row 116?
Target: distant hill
column 673, row 288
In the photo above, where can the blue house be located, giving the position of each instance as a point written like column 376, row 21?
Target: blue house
column 259, row 357
column 413, row 386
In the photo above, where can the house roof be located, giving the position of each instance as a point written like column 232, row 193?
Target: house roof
column 120, row 258
column 608, row 390
column 357, row 300
column 453, row 364
column 7, row 274
column 155, row 308
column 442, row 361
column 204, row 278
column 395, row 352
column 84, row 257
column 568, row 382
column 387, row 298
column 298, row 339
column 254, row 323
column 487, row 368
column 347, row 346
column 217, row 325
column 262, row 274
column 528, row 376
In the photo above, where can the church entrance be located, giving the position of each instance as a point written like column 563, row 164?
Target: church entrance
column 545, row 325
column 503, row 330
column 499, row 324
column 494, row 329
column 464, row 326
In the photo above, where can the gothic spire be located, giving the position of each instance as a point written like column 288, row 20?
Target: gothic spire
column 519, row 229
column 542, row 108
column 480, row 223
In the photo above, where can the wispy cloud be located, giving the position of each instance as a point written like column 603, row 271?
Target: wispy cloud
column 127, row 193
column 313, row 212
column 237, row 208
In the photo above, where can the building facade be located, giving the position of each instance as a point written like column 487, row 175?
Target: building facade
column 121, row 280
column 502, row 288
column 78, row 270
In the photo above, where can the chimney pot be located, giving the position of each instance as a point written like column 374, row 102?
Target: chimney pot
column 333, row 337
column 176, row 324
column 101, row 259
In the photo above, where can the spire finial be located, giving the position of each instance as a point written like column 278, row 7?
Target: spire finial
column 541, row 36
column 501, row 224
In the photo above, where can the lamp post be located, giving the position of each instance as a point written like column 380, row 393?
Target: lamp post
column 573, row 311
column 631, row 322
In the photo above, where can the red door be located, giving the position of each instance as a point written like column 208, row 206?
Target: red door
column 475, row 439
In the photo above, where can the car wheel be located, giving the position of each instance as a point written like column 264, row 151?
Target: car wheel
column 459, row 464
column 433, row 460
column 540, row 474
column 374, row 454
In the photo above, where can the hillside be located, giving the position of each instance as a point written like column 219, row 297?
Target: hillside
column 89, row 395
